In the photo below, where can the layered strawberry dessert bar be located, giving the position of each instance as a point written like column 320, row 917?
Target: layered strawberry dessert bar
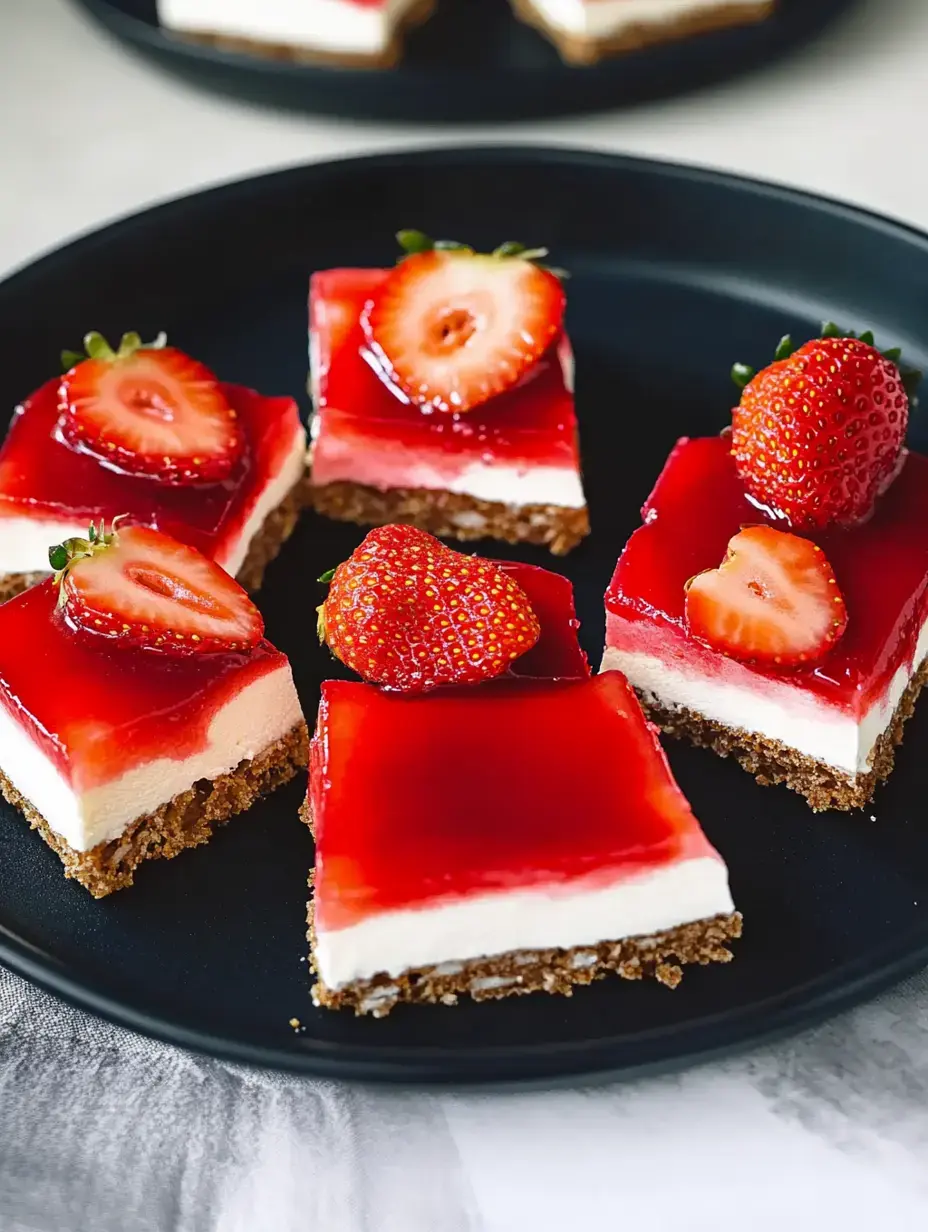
column 485, row 832
column 774, row 603
column 443, row 394
column 140, row 704
column 147, row 433
column 585, row 31
column 353, row 33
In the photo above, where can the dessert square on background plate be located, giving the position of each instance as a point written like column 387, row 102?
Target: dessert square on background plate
column 703, row 270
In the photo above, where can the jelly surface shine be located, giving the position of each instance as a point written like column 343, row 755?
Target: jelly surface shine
column 509, row 785
column 43, row 478
column 557, row 653
column 532, row 424
column 97, row 711
column 699, row 503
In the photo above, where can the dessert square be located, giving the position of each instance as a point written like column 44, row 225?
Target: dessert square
column 353, row 33
column 506, row 469
column 827, row 730
column 520, row 836
column 585, row 31
column 119, row 753
column 51, row 489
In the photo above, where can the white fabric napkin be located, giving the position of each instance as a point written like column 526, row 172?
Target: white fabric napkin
column 102, row 1130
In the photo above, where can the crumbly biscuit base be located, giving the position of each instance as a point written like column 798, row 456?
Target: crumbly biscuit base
column 186, row 821
column 660, row 956
column 390, row 56
column 276, row 529
column 581, row 49
column 452, row 515
column 771, row 762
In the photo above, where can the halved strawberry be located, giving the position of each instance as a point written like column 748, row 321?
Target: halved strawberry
column 140, row 588
column 149, row 410
column 453, row 328
column 773, row 601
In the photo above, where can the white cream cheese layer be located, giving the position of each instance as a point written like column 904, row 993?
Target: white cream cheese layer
column 336, row 26
column 261, row 714
column 604, row 18
column 271, row 495
column 773, row 709
column 24, row 542
column 546, row 918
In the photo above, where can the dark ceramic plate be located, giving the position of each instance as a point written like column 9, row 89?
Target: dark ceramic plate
column 472, row 62
column 676, row 272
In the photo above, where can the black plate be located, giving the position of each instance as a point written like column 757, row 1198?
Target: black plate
column 675, row 273
column 473, row 61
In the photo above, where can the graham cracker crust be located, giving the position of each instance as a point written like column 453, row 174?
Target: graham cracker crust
column 579, row 49
column 660, row 956
column 186, row 821
column 451, row 515
column 416, row 15
column 772, row 762
column 275, row 530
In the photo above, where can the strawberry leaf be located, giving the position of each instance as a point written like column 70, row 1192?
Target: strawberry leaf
column 326, row 577
column 743, row 375
column 784, row 349
column 412, row 242
column 58, row 556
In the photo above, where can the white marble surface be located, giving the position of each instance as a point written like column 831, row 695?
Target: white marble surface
column 827, row 1131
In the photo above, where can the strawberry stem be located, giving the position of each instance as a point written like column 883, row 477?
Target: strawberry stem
column 63, row 556
column 742, row 374
column 97, row 347
column 415, row 242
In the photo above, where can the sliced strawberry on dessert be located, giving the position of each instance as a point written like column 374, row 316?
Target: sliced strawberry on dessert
column 408, row 613
column 818, row 435
column 773, row 601
column 452, row 328
column 149, row 409
column 142, row 589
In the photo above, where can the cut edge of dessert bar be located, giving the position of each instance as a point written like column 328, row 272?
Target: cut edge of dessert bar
column 187, row 820
column 416, row 13
column 660, row 956
column 702, row 17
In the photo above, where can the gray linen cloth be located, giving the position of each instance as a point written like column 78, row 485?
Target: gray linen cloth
column 102, row 1130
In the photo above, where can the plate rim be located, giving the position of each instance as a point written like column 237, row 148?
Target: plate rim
column 518, row 1065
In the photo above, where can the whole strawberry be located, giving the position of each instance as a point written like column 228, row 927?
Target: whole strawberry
column 819, row 434
column 410, row 614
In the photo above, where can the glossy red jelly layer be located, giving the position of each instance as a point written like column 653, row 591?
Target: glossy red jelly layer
column 96, row 711
column 512, row 784
column 557, row 653
column 531, row 425
column 42, row 478
column 699, row 503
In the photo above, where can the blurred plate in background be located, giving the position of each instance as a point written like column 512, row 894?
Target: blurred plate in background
column 472, row 62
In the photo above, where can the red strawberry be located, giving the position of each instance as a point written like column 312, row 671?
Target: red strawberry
column 453, row 328
column 140, row 588
column 406, row 612
column 773, row 601
column 149, row 410
column 819, row 434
